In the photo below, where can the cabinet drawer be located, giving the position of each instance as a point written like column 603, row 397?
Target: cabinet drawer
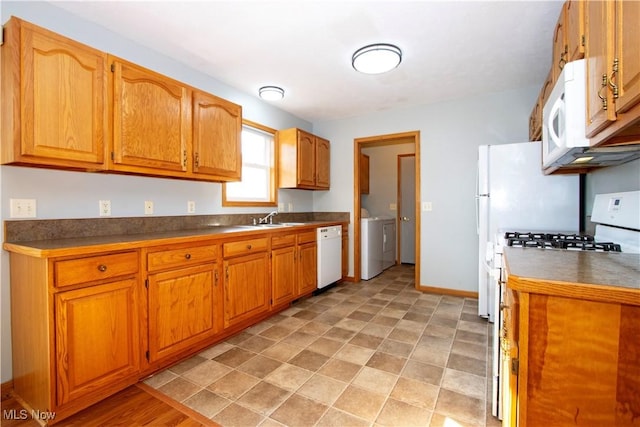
column 75, row 271
column 178, row 257
column 243, row 247
column 307, row 237
column 284, row 240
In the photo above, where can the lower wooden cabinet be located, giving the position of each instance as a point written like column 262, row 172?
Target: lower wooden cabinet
column 307, row 265
column 97, row 339
column 183, row 309
column 183, row 299
column 247, row 285
column 75, row 338
column 283, row 275
column 294, row 267
column 575, row 361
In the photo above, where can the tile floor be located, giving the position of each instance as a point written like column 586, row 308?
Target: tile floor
column 376, row 352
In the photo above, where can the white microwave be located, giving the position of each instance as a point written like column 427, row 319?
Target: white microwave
column 563, row 117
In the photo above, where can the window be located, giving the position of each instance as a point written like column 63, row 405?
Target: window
column 257, row 187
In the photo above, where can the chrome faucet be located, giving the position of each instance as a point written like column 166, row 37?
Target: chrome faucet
column 268, row 218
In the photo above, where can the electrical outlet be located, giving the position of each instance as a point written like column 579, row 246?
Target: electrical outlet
column 191, row 206
column 393, row 206
column 104, row 207
column 148, row 207
column 281, row 207
column 427, row 206
column 22, row 208
column 290, row 207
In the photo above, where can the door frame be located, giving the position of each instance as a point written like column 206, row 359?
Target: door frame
column 389, row 139
column 399, row 204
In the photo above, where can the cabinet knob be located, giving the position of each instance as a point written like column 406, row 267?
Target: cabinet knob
column 188, row 256
column 102, row 267
column 248, row 246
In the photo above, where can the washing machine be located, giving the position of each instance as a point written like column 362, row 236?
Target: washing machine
column 371, row 247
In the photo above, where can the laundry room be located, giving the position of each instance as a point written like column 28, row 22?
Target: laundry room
column 387, row 188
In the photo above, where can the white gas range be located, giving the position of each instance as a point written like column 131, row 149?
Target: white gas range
column 617, row 218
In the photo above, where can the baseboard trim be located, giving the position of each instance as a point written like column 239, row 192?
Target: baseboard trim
column 6, row 389
column 447, row 291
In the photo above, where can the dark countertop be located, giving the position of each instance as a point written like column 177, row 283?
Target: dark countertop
column 85, row 245
column 599, row 276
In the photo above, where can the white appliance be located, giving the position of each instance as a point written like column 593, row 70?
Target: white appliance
column 563, row 115
column 388, row 243
column 617, row 218
column 564, row 141
column 329, row 240
column 371, row 247
column 513, row 193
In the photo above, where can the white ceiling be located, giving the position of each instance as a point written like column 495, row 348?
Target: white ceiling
column 451, row 49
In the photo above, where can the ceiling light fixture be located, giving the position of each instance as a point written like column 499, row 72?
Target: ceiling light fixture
column 376, row 58
column 271, row 93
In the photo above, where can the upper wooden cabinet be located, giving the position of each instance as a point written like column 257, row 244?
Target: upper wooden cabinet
column 217, row 126
column 613, row 70
column 364, row 174
column 535, row 120
column 304, row 160
column 66, row 105
column 151, row 121
column 574, row 34
column 54, row 99
column 559, row 45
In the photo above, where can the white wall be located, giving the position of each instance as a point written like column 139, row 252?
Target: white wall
column 383, row 178
column 450, row 134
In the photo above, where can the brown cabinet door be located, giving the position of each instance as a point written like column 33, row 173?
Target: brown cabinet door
column 217, row 125
column 246, row 288
column 63, row 90
column 151, row 121
column 598, row 53
column 183, row 309
column 283, row 275
column 574, row 19
column 306, row 167
column 364, row 174
column 559, row 46
column 323, row 158
column 627, row 78
column 307, row 268
column 97, row 339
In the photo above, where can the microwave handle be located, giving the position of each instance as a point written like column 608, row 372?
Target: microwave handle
column 554, row 111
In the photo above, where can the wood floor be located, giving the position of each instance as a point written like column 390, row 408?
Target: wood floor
column 138, row 405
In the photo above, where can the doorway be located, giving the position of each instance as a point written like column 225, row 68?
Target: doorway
column 382, row 140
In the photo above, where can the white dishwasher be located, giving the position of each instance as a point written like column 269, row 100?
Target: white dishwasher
column 329, row 255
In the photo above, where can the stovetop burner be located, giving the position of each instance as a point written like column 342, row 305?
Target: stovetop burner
column 582, row 242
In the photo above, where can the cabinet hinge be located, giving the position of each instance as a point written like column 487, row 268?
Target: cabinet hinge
column 113, row 155
column 146, row 283
column 113, row 68
column 583, row 40
column 146, row 354
column 515, row 364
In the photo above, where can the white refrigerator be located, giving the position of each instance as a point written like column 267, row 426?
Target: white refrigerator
column 514, row 195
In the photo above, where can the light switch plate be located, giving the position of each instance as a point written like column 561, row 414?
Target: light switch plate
column 393, row 206
column 191, row 206
column 427, row 206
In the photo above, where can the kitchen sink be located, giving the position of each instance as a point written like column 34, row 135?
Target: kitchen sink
column 291, row 224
